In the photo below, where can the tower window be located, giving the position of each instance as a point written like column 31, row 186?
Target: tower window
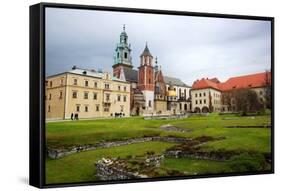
column 117, row 54
column 125, row 55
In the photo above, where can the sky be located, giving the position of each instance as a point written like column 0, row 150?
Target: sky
column 186, row 47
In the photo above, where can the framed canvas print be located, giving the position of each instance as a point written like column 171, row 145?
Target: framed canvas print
column 127, row 95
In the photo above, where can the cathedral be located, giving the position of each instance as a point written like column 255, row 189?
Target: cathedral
column 151, row 91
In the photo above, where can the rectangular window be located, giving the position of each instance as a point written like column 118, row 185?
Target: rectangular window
column 61, row 81
column 119, row 88
column 97, row 107
column 86, row 83
column 204, row 101
column 125, row 55
column 196, row 102
column 60, row 94
column 200, row 101
column 75, row 82
column 50, row 96
column 124, row 98
column 122, row 108
column 118, row 98
column 106, row 109
column 86, row 95
column 125, row 89
column 51, row 84
column 200, row 95
column 86, row 108
column 95, row 96
column 195, row 95
column 106, row 86
column 49, row 108
column 77, row 108
column 107, row 97
column 149, row 103
column 204, row 94
column 96, row 84
column 74, row 94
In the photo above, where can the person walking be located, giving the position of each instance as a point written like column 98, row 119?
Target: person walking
column 71, row 116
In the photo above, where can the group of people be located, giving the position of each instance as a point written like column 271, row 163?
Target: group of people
column 119, row 114
column 74, row 116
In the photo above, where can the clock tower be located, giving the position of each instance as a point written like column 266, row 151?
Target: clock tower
column 122, row 57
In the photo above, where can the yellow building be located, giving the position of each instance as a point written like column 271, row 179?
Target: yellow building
column 86, row 93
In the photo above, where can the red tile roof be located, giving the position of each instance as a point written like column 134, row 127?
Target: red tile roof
column 205, row 83
column 247, row 81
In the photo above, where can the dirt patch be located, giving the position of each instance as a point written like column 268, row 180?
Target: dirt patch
column 169, row 127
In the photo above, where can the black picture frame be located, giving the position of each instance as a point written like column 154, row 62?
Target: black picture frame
column 37, row 91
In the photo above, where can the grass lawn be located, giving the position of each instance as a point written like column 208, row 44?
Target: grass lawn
column 80, row 167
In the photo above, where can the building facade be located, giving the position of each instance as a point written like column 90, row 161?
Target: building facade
column 150, row 93
column 211, row 95
column 86, row 93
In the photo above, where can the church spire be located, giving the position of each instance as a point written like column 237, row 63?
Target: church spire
column 123, row 50
column 146, row 51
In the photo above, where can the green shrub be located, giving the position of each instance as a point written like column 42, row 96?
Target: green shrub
column 246, row 162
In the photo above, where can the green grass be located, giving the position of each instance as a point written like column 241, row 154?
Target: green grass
column 80, row 167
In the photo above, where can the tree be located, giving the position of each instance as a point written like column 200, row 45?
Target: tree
column 246, row 100
column 267, row 89
column 211, row 108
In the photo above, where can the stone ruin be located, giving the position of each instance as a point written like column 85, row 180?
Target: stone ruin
column 120, row 169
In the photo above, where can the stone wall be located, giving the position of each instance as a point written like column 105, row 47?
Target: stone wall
column 59, row 153
column 217, row 156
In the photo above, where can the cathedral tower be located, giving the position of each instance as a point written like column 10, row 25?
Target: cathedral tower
column 146, row 78
column 122, row 57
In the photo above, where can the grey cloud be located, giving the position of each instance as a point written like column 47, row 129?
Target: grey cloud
column 186, row 47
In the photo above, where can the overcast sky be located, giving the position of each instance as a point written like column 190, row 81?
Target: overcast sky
column 187, row 47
